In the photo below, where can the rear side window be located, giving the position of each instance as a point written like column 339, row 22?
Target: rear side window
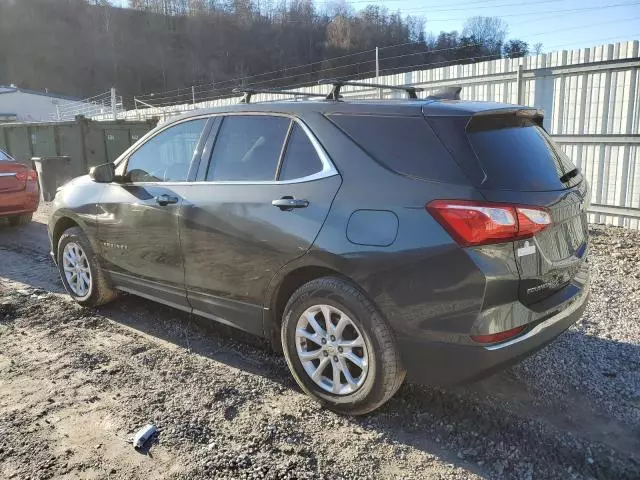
column 517, row 154
column 300, row 158
column 406, row 145
column 248, row 148
column 4, row 157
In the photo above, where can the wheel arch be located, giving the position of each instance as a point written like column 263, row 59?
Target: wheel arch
column 281, row 289
column 62, row 225
column 64, row 221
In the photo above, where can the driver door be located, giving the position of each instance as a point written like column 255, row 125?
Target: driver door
column 138, row 215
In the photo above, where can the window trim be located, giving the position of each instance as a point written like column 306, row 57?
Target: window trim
column 328, row 169
column 208, row 136
column 283, row 150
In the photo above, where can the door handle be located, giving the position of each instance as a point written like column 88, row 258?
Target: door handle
column 164, row 200
column 289, row 203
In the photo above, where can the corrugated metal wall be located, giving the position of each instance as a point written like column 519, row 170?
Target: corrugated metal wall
column 87, row 142
column 591, row 99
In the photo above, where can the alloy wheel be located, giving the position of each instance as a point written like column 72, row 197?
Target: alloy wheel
column 76, row 269
column 331, row 349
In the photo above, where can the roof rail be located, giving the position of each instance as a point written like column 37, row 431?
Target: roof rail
column 338, row 84
column 446, row 93
column 249, row 92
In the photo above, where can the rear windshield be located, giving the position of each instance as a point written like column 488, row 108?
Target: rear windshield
column 517, row 154
column 404, row 144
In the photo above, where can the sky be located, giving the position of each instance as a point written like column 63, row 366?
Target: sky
column 557, row 24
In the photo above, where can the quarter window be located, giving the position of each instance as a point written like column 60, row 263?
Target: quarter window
column 167, row 156
column 248, row 148
column 406, row 145
column 301, row 158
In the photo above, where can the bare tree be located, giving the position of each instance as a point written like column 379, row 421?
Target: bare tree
column 537, row 48
column 83, row 47
column 488, row 31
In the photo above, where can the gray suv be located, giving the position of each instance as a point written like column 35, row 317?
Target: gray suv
column 436, row 239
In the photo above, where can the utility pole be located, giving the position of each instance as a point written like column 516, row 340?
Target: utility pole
column 193, row 96
column 114, row 109
column 378, row 71
column 519, row 85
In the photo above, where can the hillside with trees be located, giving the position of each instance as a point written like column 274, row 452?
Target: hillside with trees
column 80, row 47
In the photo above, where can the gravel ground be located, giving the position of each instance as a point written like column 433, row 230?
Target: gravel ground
column 75, row 384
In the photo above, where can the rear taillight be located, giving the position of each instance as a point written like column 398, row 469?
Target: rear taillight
column 30, row 177
column 479, row 223
column 27, row 176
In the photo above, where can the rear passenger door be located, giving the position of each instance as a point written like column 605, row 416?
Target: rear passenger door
column 264, row 188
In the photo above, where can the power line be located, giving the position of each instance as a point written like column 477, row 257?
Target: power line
column 518, row 4
column 212, row 98
column 488, row 56
column 460, row 47
column 371, row 2
column 525, row 22
column 419, row 10
column 616, row 37
column 435, row 64
column 188, row 91
column 584, row 26
column 272, row 72
column 570, row 10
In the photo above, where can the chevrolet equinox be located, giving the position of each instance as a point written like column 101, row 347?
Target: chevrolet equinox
column 371, row 240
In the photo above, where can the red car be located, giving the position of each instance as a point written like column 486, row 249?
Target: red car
column 19, row 191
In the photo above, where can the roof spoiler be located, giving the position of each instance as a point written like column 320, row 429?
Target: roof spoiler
column 446, row 93
column 534, row 114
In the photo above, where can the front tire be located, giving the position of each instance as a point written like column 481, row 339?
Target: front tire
column 80, row 271
column 339, row 348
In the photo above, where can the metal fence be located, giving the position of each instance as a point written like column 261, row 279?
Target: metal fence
column 106, row 105
column 591, row 99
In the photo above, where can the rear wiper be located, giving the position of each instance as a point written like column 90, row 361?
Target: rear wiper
column 569, row 175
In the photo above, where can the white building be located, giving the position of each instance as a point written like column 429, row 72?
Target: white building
column 19, row 104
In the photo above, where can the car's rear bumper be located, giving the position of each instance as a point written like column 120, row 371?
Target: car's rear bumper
column 18, row 203
column 440, row 363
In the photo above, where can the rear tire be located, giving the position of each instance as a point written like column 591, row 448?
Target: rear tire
column 20, row 219
column 82, row 276
column 352, row 365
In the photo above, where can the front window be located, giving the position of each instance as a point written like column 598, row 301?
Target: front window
column 167, row 156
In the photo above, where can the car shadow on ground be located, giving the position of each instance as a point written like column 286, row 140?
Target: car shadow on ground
column 454, row 423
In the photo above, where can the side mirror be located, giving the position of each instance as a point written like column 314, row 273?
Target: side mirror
column 105, row 173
